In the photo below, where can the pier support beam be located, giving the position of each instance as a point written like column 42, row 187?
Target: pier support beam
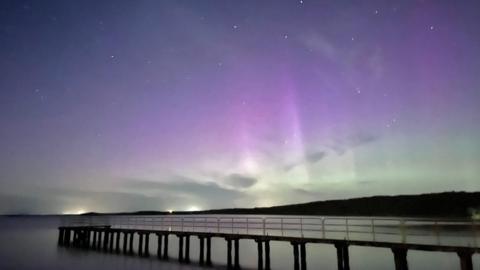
column 201, row 253
column 229, row 253
column 237, row 254
column 342, row 256
column 112, row 238
column 400, row 257
column 140, row 244
column 303, row 257
column 159, row 245
column 267, row 255
column 209, row 252
column 465, row 259
column 296, row 263
column 61, row 233
column 187, row 248
column 106, row 235
column 165, row 247
column 130, row 251
column 261, row 255
column 125, row 242
column 99, row 243
column 117, row 242
column 95, row 239
column 180, row 248
column 146, row 249
column 66, row 237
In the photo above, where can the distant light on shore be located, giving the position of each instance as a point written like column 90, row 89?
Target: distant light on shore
column 170, row 211
column 78, row 211
column 193, row 208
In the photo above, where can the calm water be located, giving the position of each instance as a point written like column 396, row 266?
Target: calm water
column 31, row 243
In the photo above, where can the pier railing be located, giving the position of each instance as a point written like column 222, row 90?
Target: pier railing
column 458, row 232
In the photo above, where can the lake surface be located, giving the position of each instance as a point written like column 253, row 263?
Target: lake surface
column 31, row 243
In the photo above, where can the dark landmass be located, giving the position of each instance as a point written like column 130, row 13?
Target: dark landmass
column 446, row 204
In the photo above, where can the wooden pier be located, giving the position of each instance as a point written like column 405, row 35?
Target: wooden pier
column 112, row 238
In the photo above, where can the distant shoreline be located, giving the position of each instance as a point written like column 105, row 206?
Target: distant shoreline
column 445, row 204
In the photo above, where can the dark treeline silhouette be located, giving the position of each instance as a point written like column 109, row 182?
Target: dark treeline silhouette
column 446, row 204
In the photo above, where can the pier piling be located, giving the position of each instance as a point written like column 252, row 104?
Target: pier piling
column 400, row 257
column 187, row 248
column 465, row 259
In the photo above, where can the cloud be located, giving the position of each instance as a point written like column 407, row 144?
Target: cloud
column 340, row 146
column 192, row 191
column 310, row 158
column 240, row 181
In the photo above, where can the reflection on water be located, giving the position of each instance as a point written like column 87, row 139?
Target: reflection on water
column 31, row 243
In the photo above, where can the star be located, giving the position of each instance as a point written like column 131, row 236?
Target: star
column 235, row 26
column 432, row 27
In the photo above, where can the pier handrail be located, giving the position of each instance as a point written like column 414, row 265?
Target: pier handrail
column 401, row 230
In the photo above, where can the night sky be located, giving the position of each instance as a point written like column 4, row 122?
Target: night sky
column 184, row 105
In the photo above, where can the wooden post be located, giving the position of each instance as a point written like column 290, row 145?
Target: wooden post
column 75, row 237
column 237, row 253
column 400, row 257
column 159, row 245
column 132, row 234
column 125, row 241
column 346, row 258
column 229, row 253
column 147, row 245
column 209, row 252
column 105, row 240
column 180, row 248
column 165, row 247
column 99, row 243
column 117, row 242
column 342, row 256
column 140, row 243
column 267, row 255
column 112, row 235
column 465, row 259
column 296, row 264
column 201, row 257
column 260, row 254
column 95, row 239
column 187, row 248
column 303, row 257
column 61, row 232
